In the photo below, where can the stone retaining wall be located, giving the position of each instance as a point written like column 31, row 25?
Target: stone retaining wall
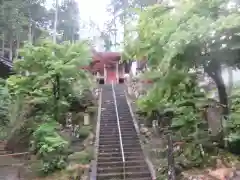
column 136, row 88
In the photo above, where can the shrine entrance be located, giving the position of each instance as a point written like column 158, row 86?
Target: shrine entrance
column 111, row 74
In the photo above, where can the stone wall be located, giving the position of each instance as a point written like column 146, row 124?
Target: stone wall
column 136, row 88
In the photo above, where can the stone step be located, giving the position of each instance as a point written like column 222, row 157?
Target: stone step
column 118, row 158
column 114, row 149
column 132, row 169
column 118, row 176
column 116, row 145
column 120, row 163
column 109, row 150
column 110, row 135
column 109, row 159
column 110, row 139
column 117, row 154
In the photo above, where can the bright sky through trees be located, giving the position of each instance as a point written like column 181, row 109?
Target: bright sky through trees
column 90, row 9
column 95, row 10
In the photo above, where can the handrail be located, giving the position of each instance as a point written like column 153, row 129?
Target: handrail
column 119, row 131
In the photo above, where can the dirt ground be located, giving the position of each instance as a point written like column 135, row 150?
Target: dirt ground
column 9, row 173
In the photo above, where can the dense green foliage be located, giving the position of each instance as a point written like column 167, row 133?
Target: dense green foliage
column 233, row 125
column 177, row 41
column 182, row 97
column 37, row 71
column 48, row 80
column 45, row 104
column 50, row 147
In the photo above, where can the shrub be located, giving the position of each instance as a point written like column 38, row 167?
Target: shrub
column 50, row 147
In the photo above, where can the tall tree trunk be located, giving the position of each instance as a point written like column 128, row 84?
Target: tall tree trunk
column 56, row 22
column 215, row 72
column 3, row 43
column 18, row 45
column 213, row 69
column 73, row 35
column 230, row 84
column 115, row 31
column 3, row 33
column 125, row 20
column 222, row 93
column 11, row 48
column 29, row 27
column 33, row 35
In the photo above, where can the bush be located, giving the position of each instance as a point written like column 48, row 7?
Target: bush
column 50, row 148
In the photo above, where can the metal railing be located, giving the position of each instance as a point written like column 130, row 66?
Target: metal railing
column 119, row 131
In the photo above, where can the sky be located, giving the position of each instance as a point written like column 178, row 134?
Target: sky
column 94, row 10
column 90, row 9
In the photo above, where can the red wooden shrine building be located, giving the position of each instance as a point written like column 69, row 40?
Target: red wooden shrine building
column 107, row 67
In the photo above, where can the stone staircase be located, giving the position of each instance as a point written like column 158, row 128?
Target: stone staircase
column 116, row 162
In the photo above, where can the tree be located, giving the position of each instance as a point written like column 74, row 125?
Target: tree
column 68, row 20
column 122, row 12
column 191, row 47
column 107, row 40
column 20, row 21
column 179, row 41
column 35, row 83
column 28, row 20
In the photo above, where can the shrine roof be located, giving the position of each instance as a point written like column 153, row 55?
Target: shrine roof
column 116, row 56
column 101, row 58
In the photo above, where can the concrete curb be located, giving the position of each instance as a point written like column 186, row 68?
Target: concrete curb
column 93, row 174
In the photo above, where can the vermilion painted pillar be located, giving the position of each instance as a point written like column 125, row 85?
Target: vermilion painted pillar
column 117, row 73
column 105, row 74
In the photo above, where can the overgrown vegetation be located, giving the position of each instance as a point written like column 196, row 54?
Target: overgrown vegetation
column 180, row 41
column 50, row 147
column 48, row 83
